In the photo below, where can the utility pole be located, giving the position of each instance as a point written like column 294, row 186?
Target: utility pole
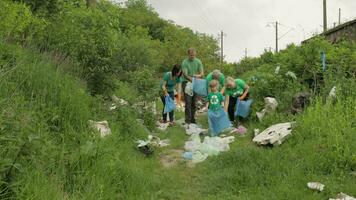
column 339, row 16
column 276, row 37
column 324, row 16
column 221, row 48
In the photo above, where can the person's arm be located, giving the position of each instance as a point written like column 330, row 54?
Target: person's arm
column 179, row 91
column 243, row 96
column 222, row 90
column 164, row 89
column 227, row 98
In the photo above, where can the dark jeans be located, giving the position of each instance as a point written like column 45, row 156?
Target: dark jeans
column 231, row 108
column 171, row 94
column 190, row 106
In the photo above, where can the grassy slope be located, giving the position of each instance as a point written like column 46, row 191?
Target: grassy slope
column 69, row 161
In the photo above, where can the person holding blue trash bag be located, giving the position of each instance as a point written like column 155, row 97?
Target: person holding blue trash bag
column 192, row 68
column 217, row 117
column 235, row 89
column 170, row 80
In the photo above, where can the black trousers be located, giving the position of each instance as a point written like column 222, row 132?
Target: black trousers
column 171, row 114
column 190, row 106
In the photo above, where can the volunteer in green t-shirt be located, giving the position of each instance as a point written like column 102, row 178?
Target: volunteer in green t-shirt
column 170, row 81
column 216, row 75
column 192, row 67
column 234, row 88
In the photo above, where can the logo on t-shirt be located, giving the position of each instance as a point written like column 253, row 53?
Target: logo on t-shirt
column 214, row 99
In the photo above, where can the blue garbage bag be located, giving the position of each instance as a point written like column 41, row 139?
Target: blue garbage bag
column 170, row 105
column 200, row 87
column 243, row 108
column 218, row 121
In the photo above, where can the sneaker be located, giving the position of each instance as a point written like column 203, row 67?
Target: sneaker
column 163, row 121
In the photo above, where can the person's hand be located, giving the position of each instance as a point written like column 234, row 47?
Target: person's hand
column 241, row 98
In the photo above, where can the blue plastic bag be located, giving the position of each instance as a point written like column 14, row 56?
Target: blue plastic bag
column 243, row 108
column 200, row 87
column 170, row 105
column 218, row 121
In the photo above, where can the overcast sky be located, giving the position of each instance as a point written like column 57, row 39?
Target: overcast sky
column 245, row 22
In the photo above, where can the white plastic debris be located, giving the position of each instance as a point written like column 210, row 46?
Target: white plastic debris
column 270, row 106
column 256, row 131
column 189, row 89
column 154, row 141
column 154, row 108
column 194, row 129
column 343, row 196
column 180, row 107
column 102, row 127
column 292, row 75
column 162, row 126
column 112, row 107
column 276, row 71
column 316, row 186
column 119, row 101
column 202, row 110
column 209, row 147
column 274, row 134
column 332, row 94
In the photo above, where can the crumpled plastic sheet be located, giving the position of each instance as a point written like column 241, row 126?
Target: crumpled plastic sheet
column 102, row 127
column 270, row 106
column 292, row 75
column 316, row 186
column 191, row 129
column 343, row 196
column 274, row 134
column 154, row 141
column 209, row 147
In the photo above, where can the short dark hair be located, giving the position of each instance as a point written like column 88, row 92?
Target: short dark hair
column 176, row 69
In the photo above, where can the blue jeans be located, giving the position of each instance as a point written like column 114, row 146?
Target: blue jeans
column 171, row 94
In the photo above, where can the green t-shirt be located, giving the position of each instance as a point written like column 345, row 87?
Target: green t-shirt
column 170, row 83
column 215, row 100
column 238, row 90
column 191, row 67
column 209, row 78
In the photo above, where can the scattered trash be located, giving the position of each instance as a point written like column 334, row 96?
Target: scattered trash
column 274, row 134
column 162, row 126
column 292, row 75
column 188, row 155
column 198, row 151
column 191, row 129
column 316, row 186
column 112, row 107
column 332, row 94
column 256, row 131
column 276, row 71
column 119, row 101
column 243, row 108
column 147, row 146
column 189, row 89
column 241, row 130
column 270, row 106
column 300, row 101
column 180, row 107
column 154, row 108
column 343, row 196
column 102, row 127
column 203, row 110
